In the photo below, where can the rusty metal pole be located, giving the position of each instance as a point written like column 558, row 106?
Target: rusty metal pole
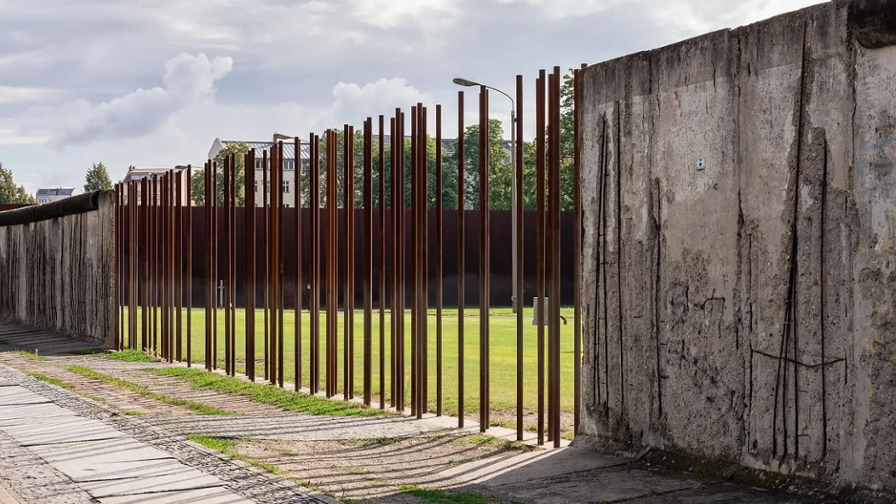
column 402, row 263
column 483, row 260
column 179, row 255
column 440, row 246
column 368, row 260
column 228, row 237
column 119, row 285
column 249, row 207
column 132, row 265
column 216, row 233
column 539, row 242
column 206, row 174
column 520, row 245
column 382, row 262
column 461, row 263
column 144, row 262
column 274, row 270
column 157, row 263
column 424, row 262
column 577, row 255
column 549, row 255
column 279, row 264
column 163, row 264
column 172, row 267
column 332, row 262
column 266, row 230
column 297, row 344
column 189, row 265
column 415, row 267
column 555, row 256
column 348, row 333
column 393, row 217
column 314, row 325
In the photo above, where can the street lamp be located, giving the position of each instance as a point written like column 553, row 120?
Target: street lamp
column 513, row 189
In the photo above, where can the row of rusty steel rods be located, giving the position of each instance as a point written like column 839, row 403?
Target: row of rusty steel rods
column 554, row 255
column 276, row 269
column 540, row 234
column 419, row 267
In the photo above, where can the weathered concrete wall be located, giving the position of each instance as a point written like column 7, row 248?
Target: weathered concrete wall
column 740, row 291
column 59, row 273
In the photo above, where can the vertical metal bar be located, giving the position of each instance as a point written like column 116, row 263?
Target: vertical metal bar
column 577, row 255
column 144, row 263
column 172, row 266
column 382, row 262
column 440, row 246
column 163, row 266
column 119, row 285
column 228, row 237
column 314, row 343
column 297, row 345
column 402, row 264
column 539, row 241
column 279, row 264
column 209, row 280
column 549, row 245
column 424, row 262
column 368, row 260
column 555, row 255
column 233, row 256
column 179, row 256
column 266, row 229
column 348, row 354
column 393, row 215
column 156, row 261
column 216, row 232
column 274, row 270
column 415, row 266
column 520, row 245
column 332, row 260
column 461, row 263
column 189, row 183
column 250, row 188
column 132, row 264
column 483, row 259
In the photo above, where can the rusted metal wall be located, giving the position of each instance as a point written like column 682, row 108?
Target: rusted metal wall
column 500, row 266
column 59, row 273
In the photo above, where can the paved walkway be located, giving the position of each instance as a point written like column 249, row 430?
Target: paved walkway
column 58, row 447
column 50, row 452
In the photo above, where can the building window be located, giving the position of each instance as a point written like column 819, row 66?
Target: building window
column 288, row 164
column 286, row 186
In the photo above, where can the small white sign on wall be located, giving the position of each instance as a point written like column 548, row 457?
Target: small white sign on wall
column 701, row 163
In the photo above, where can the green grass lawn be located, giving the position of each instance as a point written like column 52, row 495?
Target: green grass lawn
column 503, row 354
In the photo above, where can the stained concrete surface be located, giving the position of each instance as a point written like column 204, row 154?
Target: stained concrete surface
column 739, row 250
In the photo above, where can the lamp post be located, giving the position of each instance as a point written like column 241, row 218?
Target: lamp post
column 513, row 189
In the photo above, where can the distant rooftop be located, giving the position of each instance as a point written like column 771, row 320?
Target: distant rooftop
column 57, row 191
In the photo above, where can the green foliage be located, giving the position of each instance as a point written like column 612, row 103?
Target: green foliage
column 97, row 179
column 237, row 149
column 293, row 401
column 499, row 167
column 33, row 356
column 10, row 193
column 131, row 356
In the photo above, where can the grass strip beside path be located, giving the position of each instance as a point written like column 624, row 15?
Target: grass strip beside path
column 438, row 496
column 267, row 394
column 131, row 356
column 198, row 408
column 33, row 356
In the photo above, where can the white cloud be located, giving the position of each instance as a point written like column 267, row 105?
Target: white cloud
column 16, row 95
column 354, row 103
column 188, row 80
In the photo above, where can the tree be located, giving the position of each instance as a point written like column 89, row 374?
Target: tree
column 499, row 167
column 97, row 179
column 238, row 149
column 9, row 192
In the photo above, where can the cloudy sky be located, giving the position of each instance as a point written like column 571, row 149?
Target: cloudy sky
column 152, row 83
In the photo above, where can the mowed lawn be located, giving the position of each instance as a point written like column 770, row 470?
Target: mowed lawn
column 502, row 348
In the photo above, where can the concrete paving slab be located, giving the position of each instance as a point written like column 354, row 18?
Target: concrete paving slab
column 32, row 412
column 502, row 470
column 203, row 496
column 69, row 430
column 113, row 450
column 600, row 485
column 188, row 479
column 88, row 469
column 16, row 396
column 6, row 383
